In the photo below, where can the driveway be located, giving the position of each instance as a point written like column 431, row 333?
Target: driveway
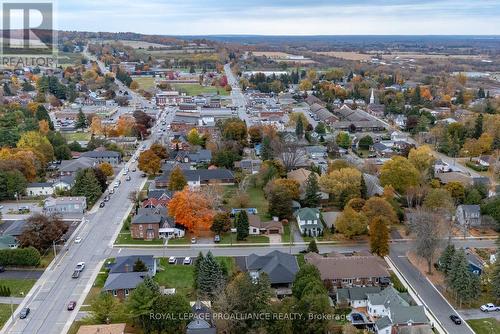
column 478, row 314
column 21, row 274
column 297, row 236
column 274, row 238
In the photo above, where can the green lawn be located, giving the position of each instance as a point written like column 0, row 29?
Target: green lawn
column 77, row 136
column 124, row 238
column 197, row 89
column 257, row 200
column 226, row 239
column 145, row 83
column 176, row 276
column 18, row 285
column 485, row 325
column 5, row 313
column 286, row 236
column 179, row 241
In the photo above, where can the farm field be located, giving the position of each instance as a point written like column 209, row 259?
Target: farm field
column 196, row 89
column 145, row 83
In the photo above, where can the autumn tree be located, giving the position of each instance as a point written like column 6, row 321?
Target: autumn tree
column 41, row 231
column 221, row 223
column 379, row 236
column 96, row 127
column 351, row 223
column 380, row 207
column 255, row 133
column 343, row 140
column 177, row 180
column 191, row 209
column 439, row 199
column 159, row 150
column 342, row 184
column 194, row 138
column 106, row 168
column 422, row 159
column 149, row 162
column 399, row 173
column 38, row 144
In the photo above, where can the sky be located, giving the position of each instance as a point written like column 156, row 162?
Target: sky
column 291, row 17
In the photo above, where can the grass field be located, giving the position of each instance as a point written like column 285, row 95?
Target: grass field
column 5, row 313
column 18, row 287
column 285, row 237
column 196, row 89
column 145, row 83
column 257, row 200
column 69, row 58
column 485, row 325
column 260, row 239
column 77, row 136
column 124, row 238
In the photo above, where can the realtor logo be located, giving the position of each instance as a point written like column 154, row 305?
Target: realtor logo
column 28, row 37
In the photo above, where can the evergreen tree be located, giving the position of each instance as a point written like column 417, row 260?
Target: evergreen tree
column 266, row 152
column 6, row 90
column 416, row 98
column 210, row 275
column 242, row 225
column 464, row 284
column 312, row 247
column 363, row 190
column 81, row 121
column 86, row 184
column 196, row 271
column 140, row 266
column 480, row 93
column 299, row 128
column 478, row 128
column 312, row 196
column 445, row 261
column 379, row 236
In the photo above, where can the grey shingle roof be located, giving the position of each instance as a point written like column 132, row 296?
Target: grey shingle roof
column 123, row 262
column 149, row 216
column 101, row 154
column 280, row 267
column 357, row 293
column 387, row 297
column 383, row 322
column 404, row 315
column 117, row 281
column 75, row 164
column 202, row 174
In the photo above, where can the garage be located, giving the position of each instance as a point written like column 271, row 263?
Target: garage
column 274, row 231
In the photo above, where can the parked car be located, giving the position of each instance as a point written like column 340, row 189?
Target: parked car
column 24, row 313
column 71, row 305
column 172, row 260
column 111, row 191
column 133, row 169
column 106, row 198
column 193, row 240
column 2, row 269
column 455, row 319
column 217, row 238
column 143, row 175
column 490, row 307
column 102, row 204
column 128, row 178
column 76, row 274
column 187, row 260
column 78, row 240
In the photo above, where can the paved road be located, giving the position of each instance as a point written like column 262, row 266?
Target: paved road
column 237, row 95
column 478, row 314
column 21, row 274
column 8, row 300
column 436, row 303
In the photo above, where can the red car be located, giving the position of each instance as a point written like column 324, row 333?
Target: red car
column 71, row 305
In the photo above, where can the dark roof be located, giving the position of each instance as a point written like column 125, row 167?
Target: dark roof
column 280, row 267
column 117, row 281
column 202, row 175
column 199, row 156
column 15, row 228
column 39, row 184
column 160, row 193
column 76, row 164
column 356, row 293
column 125, row 264
column 149, row 216
column 101, row 154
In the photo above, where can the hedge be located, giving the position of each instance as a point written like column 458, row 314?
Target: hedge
column 20, row 257
column 477, row 168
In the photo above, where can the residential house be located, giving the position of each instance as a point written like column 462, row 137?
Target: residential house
column 202, row 322
column 460, row 177
column 199, row 177
column 309, row 221
column 373, row 186
column 316, row 152
column 157, row 198
column 468, row 215
column 300, row 176
column 251, row 166
column 8, row 242
column 71, row 167
column 476, row 264
column 65, row 205
column 250, row 211
column 146, row 223
column 441, row 167
column 39, row 189
column 200, row 156
column 100, row 156
column 347, row 271
column 64, row 183
column 280, row 267
column 257, row 227
column 356, row 297
column 122, row 278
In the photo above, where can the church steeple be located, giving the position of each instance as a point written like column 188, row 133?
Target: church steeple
column 372, row 98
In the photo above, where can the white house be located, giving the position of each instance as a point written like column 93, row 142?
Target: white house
column 441, row 167
column 309, row 221
column 39, row 189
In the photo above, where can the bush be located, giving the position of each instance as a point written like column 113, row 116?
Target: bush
column 4, row 291
column 477, row 168
column 20, row 257
column 397, row 283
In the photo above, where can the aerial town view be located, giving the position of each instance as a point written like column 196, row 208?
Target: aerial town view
column 261, row 167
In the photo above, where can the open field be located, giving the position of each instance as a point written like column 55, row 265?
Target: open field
column 485, row 325
column 5, row 313
column 76, row 136
column 138, row 44
column 351, row 55
column 271, row 54
column 197, row 89
column 145, row 83
column 69, row 58
column 346, row 55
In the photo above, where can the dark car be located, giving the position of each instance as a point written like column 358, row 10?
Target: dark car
column 71, row 305
column 76, row 274
column 24, row 312
column 455, row 319
column 2, row 269
column 102, row 204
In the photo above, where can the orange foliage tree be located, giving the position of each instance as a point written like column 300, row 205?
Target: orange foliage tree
column 191, row 209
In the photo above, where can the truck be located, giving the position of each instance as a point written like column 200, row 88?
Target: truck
column 490, row 307
column 78, row 269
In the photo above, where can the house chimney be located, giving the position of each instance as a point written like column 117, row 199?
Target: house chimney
column 276, row 219
column 127, row 267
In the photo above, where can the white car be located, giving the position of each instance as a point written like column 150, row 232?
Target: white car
column 187, row 260
column 172, row 260
column 490, row 307
column 78, row 240
column 80, row 266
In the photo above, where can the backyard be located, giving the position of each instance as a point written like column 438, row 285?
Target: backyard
column 76, row 136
